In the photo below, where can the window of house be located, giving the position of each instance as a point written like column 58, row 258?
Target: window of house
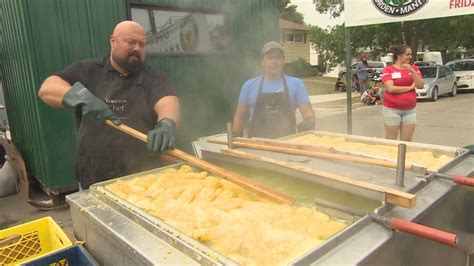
column 298, row 37
column 294, row 37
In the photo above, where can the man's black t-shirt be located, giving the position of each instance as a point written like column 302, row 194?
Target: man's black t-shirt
column 104, row 152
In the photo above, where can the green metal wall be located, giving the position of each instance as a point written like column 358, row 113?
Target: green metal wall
column 40, row 37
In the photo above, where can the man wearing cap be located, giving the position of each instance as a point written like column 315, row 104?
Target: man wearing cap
column 268, row 102
column 362, row 73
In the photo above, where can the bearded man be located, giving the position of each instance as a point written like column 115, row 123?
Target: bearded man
column 121, row 88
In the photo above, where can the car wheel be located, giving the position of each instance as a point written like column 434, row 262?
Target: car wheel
column 434, row 94
column 454, row 90
column 343, row 78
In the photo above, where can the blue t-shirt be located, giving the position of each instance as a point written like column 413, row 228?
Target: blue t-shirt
column 361, row 73
column 296, row 91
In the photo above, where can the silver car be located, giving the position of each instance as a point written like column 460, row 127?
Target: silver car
column 464, row 70
column 439, row 80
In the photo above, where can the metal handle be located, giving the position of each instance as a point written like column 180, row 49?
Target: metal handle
column 424, row 231
column 463, row 180
column 400, row 178
column 230, row 136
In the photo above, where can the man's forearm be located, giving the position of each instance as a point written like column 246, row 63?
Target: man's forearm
column 239, row 117
column 237, row 126
column 306, row 110
column 169, row 107
column 52, row 91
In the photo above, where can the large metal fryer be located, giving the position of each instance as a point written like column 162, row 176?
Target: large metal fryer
column 118, row 233
column 440, row 204
column 101, row 219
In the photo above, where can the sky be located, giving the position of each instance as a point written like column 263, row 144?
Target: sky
column 312, row 17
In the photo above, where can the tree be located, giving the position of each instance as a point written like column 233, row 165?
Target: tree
column 333, row 7
column 442, row 34
column 289, row 12
column 329, row 43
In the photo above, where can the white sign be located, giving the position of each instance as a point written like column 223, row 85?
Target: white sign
column 366, row 12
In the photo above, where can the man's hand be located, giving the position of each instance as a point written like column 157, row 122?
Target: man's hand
column 80, row 97
column 307, row 124
column 162, row 137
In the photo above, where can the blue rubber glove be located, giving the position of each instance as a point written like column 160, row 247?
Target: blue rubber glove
column 161, row 137
column 80, row 96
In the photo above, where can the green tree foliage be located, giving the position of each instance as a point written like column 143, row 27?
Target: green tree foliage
column 333, row 7
column 329, row 43
column 441, row 34
column 448, row 35
column 289, row 12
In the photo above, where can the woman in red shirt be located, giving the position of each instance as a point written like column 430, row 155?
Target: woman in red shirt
column 400, row 80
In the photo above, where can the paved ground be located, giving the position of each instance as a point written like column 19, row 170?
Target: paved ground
column 449, row 122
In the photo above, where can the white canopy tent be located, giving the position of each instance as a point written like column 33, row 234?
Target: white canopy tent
column 368, row 12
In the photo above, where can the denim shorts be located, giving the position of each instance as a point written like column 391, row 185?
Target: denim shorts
column 394, row 117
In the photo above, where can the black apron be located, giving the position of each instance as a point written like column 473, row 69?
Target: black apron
column 104, row 152
column 273, row 116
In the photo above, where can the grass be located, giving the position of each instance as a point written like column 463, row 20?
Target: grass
column 319, row 85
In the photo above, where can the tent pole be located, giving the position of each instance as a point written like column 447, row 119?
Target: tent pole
column 348, row 78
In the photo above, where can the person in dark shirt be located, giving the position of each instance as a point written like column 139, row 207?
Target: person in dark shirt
column 119, row 87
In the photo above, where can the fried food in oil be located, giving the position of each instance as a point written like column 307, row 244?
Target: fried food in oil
column 248, row 229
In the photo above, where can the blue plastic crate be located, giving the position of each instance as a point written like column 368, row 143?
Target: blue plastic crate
column 74, row 255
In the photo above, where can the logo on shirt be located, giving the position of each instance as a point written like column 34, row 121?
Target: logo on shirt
column 116, row 105
column 398, row 8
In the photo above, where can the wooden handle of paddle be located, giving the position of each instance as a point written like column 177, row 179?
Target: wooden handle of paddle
column 128, row 130
column 322, row 155
column 231, row 176
column 310, row 151
column 392, row 196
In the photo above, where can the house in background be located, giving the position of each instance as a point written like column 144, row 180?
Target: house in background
column 294, row 38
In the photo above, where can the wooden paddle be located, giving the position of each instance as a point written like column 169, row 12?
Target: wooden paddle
column 392, row 196
column 310, row 151
column 320, row 154
column 231, row 176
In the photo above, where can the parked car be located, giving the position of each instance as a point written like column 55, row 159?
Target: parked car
column 439, row 80
column 464, row 70
column 425, row 63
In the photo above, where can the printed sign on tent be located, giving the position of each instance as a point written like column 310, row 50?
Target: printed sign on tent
column 366, row 12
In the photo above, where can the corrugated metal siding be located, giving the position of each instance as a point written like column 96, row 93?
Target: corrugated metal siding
column 41, row 37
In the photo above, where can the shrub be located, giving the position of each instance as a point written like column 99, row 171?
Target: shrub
column 301, row 68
